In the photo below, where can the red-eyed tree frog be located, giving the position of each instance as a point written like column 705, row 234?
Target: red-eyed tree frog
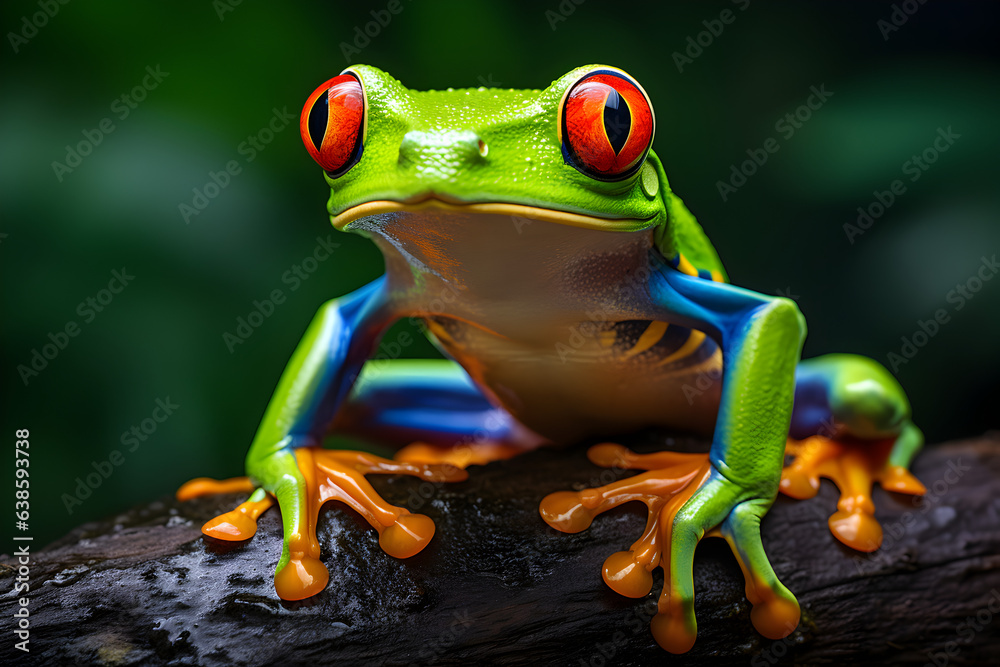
column 535, row 236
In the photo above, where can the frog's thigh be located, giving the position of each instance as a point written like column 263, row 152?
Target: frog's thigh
column 434, row 401
column 855, row 394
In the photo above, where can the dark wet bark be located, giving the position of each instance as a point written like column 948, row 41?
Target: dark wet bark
column 499, row 586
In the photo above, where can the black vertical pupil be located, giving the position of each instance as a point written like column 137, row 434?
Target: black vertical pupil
column 318, row 117
column 617, row 120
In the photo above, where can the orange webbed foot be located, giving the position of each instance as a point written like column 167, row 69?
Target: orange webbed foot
column 326, row 475
column 672, row 531
column 854, row 465
column 671, row 479
column 669, row 473
column 340, row 475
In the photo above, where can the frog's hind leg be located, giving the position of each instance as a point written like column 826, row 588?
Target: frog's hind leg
column 432, row 413
column 851, row 424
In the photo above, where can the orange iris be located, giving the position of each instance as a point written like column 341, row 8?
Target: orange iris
column 607, row 126
column 332, row 124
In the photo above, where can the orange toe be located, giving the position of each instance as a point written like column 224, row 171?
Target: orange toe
column 408, row 536
column 899, row 480
column 858, row 530
column 302, row 577
column 206, row 486
column 564, row 511
column 460, row 456
column 231, row 526
column 241, row 523
column 672, row 633
column 608, row 455
column 776, row 618
column 625, row 576
column 798, row 485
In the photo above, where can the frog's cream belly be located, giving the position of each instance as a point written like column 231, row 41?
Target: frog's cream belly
column 601, row 380
column 550, row 320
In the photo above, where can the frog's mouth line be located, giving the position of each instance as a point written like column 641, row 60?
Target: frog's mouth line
column 433, row 201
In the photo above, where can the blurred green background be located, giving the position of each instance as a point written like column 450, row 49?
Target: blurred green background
column 161, row 337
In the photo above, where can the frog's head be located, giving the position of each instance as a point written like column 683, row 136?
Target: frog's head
column 576, row 153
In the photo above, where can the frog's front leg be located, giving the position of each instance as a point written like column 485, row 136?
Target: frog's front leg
column 287, row 463
column 760, row 338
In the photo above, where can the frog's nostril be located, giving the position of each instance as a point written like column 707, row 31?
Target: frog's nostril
column 445, row 148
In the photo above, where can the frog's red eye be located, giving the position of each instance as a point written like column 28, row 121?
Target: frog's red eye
column 607, row 125
column 332, row 124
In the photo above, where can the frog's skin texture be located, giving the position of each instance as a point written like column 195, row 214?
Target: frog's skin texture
column 575, row 297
